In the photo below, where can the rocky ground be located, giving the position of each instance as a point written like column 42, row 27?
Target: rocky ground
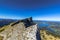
column 19, row 31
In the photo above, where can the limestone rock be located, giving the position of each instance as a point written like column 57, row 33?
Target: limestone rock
column 21, row 30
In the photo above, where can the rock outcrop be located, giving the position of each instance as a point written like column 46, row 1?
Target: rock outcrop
column 24, row 29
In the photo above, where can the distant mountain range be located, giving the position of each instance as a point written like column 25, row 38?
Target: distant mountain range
column 39, row 22
column 6, row 21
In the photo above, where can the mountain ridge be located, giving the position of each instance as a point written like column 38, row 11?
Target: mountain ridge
column 21, row 30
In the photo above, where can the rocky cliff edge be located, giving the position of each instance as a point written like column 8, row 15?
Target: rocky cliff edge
column 24, row 29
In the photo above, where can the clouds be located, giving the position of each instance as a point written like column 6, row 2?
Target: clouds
column 52, row 17
column 11, row 17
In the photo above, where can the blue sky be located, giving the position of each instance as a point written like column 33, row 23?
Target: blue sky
column 38, row 9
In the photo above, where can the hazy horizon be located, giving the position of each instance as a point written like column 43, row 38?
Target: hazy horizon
column 33, row 19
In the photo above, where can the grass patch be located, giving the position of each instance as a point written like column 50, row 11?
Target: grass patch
column 1, row 37
column 53, row 34
column 3, row 28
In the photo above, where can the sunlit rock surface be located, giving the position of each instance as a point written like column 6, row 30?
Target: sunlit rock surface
column 21, row 30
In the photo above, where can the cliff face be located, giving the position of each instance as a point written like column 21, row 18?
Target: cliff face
column 21, row 30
